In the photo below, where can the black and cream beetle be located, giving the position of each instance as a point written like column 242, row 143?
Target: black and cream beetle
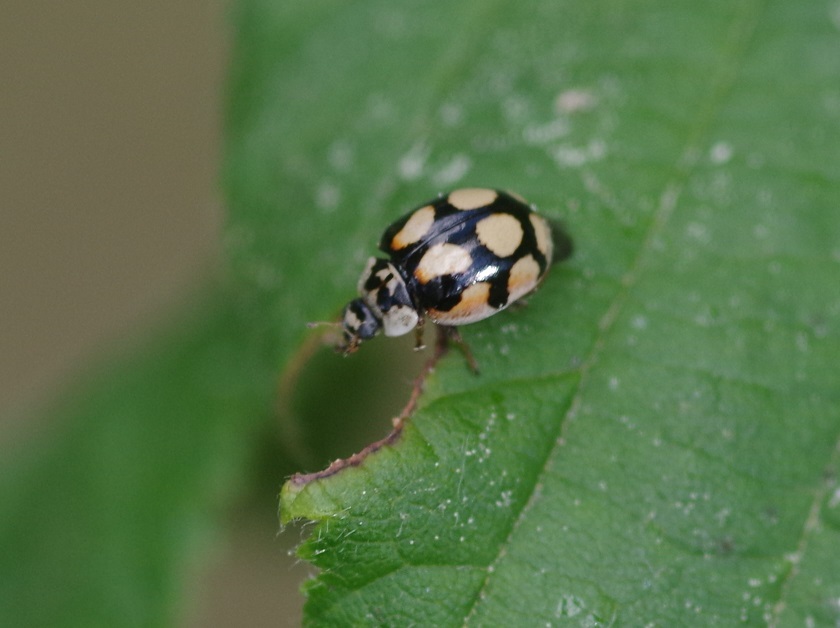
column 457, row 259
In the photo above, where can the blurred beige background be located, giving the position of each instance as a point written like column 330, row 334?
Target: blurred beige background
column 109, row 147
column 110, row 125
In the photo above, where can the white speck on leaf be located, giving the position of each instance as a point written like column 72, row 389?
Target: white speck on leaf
column 411, row 164
column 536, row 134
column 327, row 196
column 569, row 606
column 340, row 155
column 451, row 114
column 567, row 156
column 720, row 153
column 793, row 557
column 574, row 100
column 697, row 231
column 506, row 499
column 453, row 171
column 834, row 501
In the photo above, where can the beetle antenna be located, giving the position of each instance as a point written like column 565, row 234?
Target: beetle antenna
column 324, row 324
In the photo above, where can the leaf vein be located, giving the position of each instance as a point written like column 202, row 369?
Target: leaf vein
column 721, row 83
column 811, row 523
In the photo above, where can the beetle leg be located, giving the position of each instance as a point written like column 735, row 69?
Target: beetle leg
column 418, row 335
column 447, row 333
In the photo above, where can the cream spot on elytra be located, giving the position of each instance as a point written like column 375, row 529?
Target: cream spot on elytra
column 500, row 233
column 472, row 198
column 442, row 259
column 472, row 307
column 543, row 233
column 415, row 228
column 523, row 277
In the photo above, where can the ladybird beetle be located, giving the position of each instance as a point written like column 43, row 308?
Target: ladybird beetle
column 457, row 259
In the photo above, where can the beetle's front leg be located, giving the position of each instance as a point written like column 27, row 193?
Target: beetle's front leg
column 418, row 334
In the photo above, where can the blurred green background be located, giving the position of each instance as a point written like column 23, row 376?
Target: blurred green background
column 110, row 127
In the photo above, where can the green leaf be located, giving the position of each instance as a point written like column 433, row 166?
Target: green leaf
column 654, row 439
column 105, row 524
